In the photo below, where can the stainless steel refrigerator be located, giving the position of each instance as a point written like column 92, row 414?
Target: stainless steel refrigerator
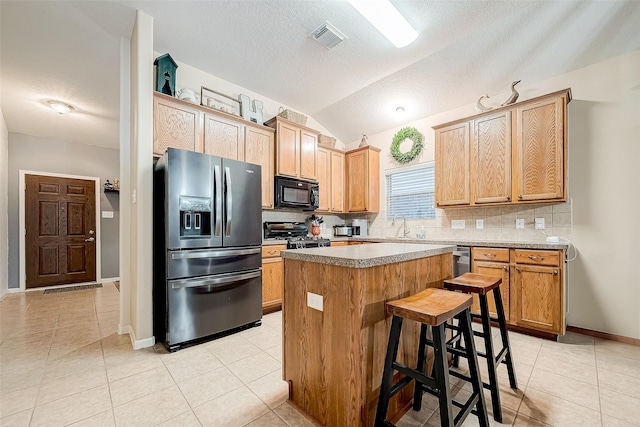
column 207, row 246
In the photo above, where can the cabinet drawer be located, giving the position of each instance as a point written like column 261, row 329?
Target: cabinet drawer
column 271, row 251
column 537, row 257
column 491, row 254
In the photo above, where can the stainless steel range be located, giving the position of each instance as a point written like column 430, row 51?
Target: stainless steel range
column 295, row 233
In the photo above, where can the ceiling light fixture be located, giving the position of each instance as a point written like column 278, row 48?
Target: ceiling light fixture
column 399, row 113
column 387, row 19
column 60, row 107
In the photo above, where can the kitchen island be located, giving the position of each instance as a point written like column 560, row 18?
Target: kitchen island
column 336, row 328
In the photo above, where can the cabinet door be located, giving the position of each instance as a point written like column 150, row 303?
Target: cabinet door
column 308, row 150
column 175, row 126
column 497, row 269
column 337, row 182
column 492, row 158
column 223, row 137
column 538, row 297
column 258, row 149
column 540, row 150
column 272, row 283
column 358, row 180
column 452, row 165
column 324, row 179
column 287, row 150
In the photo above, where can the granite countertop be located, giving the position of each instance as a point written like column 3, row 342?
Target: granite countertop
column 364, row 256
column 517, row 244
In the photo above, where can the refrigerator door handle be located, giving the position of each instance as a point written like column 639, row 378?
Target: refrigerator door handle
column 215, row 254
column 217, row 189
column 228, row 202
column 214, row 281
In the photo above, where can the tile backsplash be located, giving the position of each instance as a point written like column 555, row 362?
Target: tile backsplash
column 499, row 222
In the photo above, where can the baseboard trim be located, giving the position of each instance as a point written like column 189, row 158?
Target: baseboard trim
column 604, row 335
column 137, row 344
column 109, row 279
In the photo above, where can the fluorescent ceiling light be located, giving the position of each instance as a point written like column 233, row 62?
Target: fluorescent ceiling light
column 386, row 18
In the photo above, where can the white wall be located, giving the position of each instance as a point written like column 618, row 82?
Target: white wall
column 4, row 207
column 603, row 174
column 193, row 78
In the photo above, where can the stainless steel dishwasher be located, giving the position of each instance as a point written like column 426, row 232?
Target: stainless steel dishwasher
column 461, row 260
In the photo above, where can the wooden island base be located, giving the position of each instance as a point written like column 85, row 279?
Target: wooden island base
column 333, row 359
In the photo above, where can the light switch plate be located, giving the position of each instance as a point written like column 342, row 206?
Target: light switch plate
column 314, row 301
column 107, row 214
column 520, row 223
column 539, row 223
column 457, row 224
column 479, row 224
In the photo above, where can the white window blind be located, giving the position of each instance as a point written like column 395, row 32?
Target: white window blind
column 411, row 191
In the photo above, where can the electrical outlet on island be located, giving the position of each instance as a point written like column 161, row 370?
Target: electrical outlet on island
column 520, row 223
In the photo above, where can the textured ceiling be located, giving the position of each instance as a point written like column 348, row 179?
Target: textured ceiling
column 70, row 51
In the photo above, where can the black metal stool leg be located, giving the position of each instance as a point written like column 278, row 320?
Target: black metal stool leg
column 491, row 358
column 505, row 338
column 441, row 375
column 422, row 347
column 387, row 373
column 476, row 381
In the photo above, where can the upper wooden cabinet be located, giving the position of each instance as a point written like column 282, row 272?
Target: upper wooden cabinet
column 223, row 137
column 258, row 149
column 491, row 158
column 452, row 165
column 295, row 149
column 331, row 180
column 175, row 125
column 181, row 124
column 540, row 150
column 517, row 155
column 363, row 179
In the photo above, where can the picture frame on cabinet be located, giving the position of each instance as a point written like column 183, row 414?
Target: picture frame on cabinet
column 219, row 101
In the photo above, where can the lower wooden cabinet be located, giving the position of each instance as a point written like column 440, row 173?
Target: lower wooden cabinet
column 272, row 278
column 532, row 286
column 498, row 268
column 538, row 291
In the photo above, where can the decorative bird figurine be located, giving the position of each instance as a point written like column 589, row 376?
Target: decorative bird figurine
column 514, row 94
column 481, row 108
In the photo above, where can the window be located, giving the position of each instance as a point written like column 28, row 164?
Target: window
column 411, row 191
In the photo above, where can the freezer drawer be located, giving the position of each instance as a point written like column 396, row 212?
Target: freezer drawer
column 206, row 262
column 202, row 306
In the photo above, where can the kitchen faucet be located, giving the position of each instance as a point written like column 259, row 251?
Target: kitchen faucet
column 404, row 222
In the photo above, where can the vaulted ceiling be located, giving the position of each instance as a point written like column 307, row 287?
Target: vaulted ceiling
column 69, row 50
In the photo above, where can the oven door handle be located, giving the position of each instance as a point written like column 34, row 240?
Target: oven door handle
column 214, row 281
column 226, row 253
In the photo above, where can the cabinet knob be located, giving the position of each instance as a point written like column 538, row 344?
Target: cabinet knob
column 534, row 257
column 555, row 271
column 519, row 196
column 504, row 267
column 490, row 255
column 272, row 252
column 508, row 198
column 517, row 269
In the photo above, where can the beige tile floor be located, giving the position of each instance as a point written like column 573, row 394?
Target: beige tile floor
column 62, row 363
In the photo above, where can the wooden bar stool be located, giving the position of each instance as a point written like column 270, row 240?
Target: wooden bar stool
column 482, row 284
column 431, row 307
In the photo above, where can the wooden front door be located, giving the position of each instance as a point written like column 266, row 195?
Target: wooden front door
column 60, row 242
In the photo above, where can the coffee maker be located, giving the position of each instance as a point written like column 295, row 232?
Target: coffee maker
column 359, row 227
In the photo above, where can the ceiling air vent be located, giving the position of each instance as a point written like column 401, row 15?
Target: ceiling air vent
column 327, row 35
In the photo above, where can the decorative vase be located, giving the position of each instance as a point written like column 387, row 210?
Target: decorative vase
column 363, row 141
column 315, row 230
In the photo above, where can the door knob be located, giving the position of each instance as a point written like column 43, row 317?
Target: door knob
column 91, row 231
column 90, row 239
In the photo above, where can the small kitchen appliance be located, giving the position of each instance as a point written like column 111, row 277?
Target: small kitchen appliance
column 295, row 233
column 342, row 231
column 360, row 227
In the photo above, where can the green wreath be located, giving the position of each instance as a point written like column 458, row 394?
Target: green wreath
column 414, row 135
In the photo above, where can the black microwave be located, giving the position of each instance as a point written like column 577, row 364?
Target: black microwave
column 292, row 193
